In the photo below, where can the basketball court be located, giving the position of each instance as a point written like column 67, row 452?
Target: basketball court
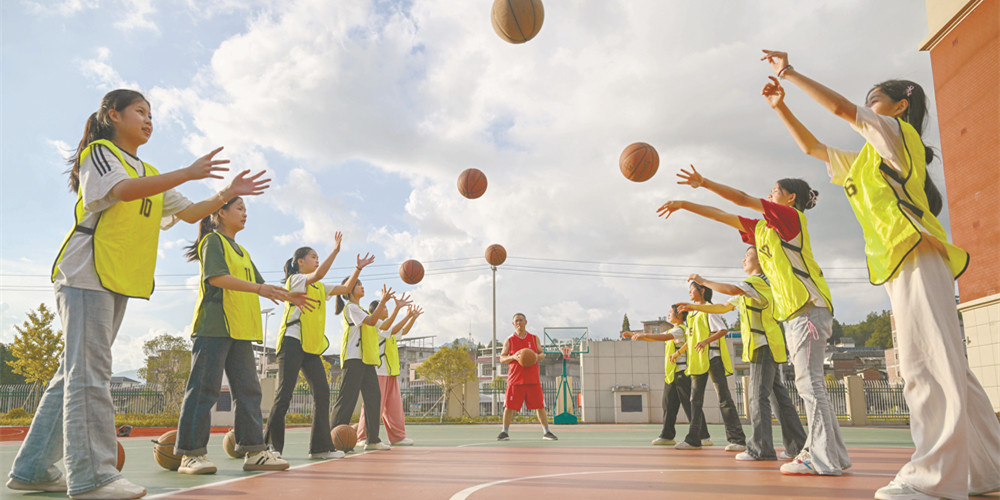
column 460, row 462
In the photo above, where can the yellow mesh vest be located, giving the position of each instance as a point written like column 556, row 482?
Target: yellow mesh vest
column 242, row 309
column 392, row 355
column 124, row 238
column 698, row 330
column 755, row 320
column 669, row 366
column 369, row 342
column 786, row 264
column 312, row 324
column 893, row 209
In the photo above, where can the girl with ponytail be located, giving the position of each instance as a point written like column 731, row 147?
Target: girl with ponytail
column 956, row 435
column 108, row 257
column 802, row 301
column 226, row 323
column 301, row 343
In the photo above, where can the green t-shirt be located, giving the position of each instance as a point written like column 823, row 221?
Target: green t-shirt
column 210, row 320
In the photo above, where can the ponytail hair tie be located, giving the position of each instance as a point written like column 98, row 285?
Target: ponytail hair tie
column 813, row 198
column 909, row 90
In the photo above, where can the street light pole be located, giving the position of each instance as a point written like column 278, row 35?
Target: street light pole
column 263, row 347
column 493, row 393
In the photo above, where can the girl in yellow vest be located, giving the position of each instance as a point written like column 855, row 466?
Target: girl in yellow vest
column 301, row 343
column 955, row 433
column 764, row 349
column 358, row 358
column 801, row 301
column 676, row 383
column 225, row 325
column 109, row 256
column 388, row 373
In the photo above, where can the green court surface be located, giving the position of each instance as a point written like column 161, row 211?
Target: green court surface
column 141, row 469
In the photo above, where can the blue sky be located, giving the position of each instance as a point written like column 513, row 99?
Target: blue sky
column 364, row 113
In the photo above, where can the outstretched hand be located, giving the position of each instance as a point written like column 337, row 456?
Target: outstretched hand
column 207, row 167
column 683, row 307
column 364, row 261
column 403, row 300
column 299, row 299
column 776, row 59
column 692, row 178
column 669, row 207
column 337, row 238
column 241, row 185
column 774, row 92
column 695, row 277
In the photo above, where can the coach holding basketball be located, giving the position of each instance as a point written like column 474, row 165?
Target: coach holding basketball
column 523, row 384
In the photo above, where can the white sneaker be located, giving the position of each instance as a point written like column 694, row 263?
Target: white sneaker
column 735, row 447
column 274, row 451
column 804, row 467
column 328, row 455
column 196, row 465
column 263, row 460
column 56, row 485
column 744, row 457
column 663, row 442
column 377, row 446
column 707, row 442
column 901, row 491
column 403, row 442
column 784, row 456
column 683, row 445
column 117, row 490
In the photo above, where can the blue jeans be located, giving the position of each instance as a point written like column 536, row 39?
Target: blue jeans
column 209, row 357
column 75, row 420
column 765, row 388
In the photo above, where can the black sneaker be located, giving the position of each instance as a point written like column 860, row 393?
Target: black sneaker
column 550, row 436
column 503, row 436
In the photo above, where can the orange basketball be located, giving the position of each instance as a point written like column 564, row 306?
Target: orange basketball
column 121, row 457
column 345, row 437
column 527, row 357
column 229, row 444
column 163, row 452
column 472, row 183
column 517, row 21
column 639, row 162
column 496, row 254
column 411, row 272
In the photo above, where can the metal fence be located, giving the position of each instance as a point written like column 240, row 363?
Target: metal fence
column 884, row 401
column 127, row 399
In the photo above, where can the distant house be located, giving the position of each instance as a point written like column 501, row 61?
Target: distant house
column 124, row 382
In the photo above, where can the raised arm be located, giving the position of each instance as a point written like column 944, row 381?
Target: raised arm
column 703, row 210
column 696, row 180
column 648, row 337
column 725, row 288
column 241, row 185
column 825, row 96
column 387, row 294
column 324, row 266
column 412, row 313
column 353, row 280
column 708, row 308
column 400, row 302
column 775, row 95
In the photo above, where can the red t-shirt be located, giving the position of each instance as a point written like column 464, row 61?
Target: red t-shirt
column 781, row 218
column 517, row 374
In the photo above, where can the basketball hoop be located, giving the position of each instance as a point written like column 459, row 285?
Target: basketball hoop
column 566, row 347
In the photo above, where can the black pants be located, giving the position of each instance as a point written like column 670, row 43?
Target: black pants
column 359, row 377
column 730, row 417
column 291, row 359
column 677, row 394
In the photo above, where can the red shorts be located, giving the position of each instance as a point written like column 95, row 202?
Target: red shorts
column 520, row 394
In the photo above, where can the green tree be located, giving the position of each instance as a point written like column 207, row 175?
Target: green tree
column 168, row 364
column 449, row 368
column 881, row 338
column 625, row 326
column 7, row 375
column 36, row 349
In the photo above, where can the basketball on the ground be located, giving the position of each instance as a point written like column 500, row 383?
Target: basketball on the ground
column 527, row 357
column 496, row 254
column 639, row 162
column 517, row 21
column 121, row 457
column 229, row 444
column 345, row 437
column 472, row 183
column 163, row 451
column 411, row 272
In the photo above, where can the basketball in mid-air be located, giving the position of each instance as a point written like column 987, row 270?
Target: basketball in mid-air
column 163, row 451
column 526, row 357
column 472, row 183
column 411, row 272
column 517, row 21
column 639, row 162
column 345, row 437
column 496, row 254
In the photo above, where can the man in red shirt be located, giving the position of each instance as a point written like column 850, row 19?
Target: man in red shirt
column 523, row 385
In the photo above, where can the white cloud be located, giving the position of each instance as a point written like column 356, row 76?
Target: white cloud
column 100, row 71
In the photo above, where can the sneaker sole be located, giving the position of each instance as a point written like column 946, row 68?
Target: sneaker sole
column 206, row 470
column 549, row 439
column 38, row 487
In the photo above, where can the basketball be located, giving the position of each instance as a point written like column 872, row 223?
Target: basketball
column 517, row 21
column 121, row 457
column 527, row 357
column 345, row 437
column 163, row 452
column 229, row 444
column 639, row 162
column 411, row 272
column 472, row 183
column 496, row 254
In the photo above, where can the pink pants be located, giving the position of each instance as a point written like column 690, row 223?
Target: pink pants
column 392, row 411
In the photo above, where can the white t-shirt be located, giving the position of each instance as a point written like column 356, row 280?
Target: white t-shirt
column 100, row 172
column 883, row 133
column 756, row 299
column 355, row 315
column 715, row 323
column 298, row 284
column 382, row 370
column 678, row 341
